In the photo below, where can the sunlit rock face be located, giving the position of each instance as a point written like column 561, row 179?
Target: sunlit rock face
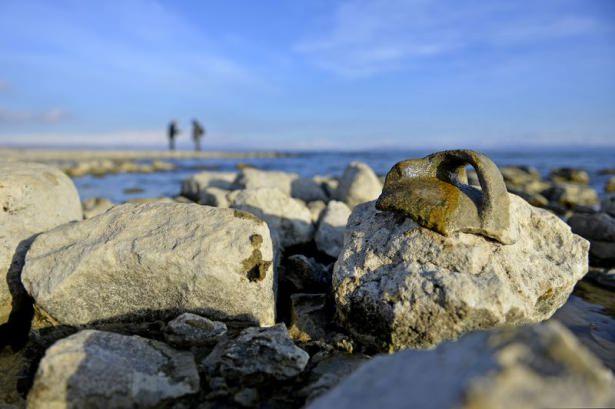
column 400, row 285
column 154, row 259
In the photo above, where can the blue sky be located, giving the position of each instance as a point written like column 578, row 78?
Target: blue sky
column 310, row 74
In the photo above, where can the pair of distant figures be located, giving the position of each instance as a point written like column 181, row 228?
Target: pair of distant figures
column 198, row 132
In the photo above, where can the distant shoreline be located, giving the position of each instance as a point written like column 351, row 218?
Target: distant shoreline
column 125, row 154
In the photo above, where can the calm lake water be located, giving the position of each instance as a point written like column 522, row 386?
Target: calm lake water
column 590, row 311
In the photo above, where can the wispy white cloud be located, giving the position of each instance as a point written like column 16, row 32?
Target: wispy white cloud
column 51, row 116
column 365, row 37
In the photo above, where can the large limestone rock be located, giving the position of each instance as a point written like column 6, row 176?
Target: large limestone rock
column 290, row 184
column 329, row 236
column 97, row 369
column 33, row 198
column 543, row 366
column 289, row 219
column 154, row 259
column 400, row 285
column 192, row 187
column 358, row 184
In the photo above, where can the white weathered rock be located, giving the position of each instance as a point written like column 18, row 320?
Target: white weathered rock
column 33, row 198
column 154, row 259
column 289, row 219
column 400, row 285
column 541, row 366
column 192, row 186
column 252, row 178
column 95, row 206
column 358, row 184
column 258, row 355
column 193, row 330
column 97, row 369
column 329, row 236
column 288, row 183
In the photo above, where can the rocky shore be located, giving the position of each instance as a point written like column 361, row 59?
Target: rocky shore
column 266, row 289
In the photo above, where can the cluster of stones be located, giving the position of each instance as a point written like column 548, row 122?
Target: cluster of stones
column 267, row 288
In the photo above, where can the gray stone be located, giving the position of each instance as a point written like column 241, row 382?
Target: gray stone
column 97, row 369
column 569, row 175
column 95, row 206
column 329, row 236
column 258, row 355
column 608, row 204
column 289, row 219
column 307, row 275
column 571, row 195
column 599, row 229
column 433, row 191
column 358, row 184
column 189, row 330
column 400, row 285
column 307, row 190
column 308, row 317
column 596, row 226
column 192, row 187
column 213, row 196
column 33, row 198
column 154, row 259
column 329, row 372
column 542, row 366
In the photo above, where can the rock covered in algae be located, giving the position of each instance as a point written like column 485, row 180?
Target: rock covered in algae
column 400, row 285
column 154, row 259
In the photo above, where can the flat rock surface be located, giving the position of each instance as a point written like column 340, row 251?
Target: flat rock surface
column 541, row 366
column 400, row 285
column 154, row 259
column 97, row 369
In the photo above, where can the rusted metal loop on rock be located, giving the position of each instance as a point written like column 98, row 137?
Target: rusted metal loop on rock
column 434, row 192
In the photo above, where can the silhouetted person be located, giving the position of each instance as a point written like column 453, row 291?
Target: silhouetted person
column 197, row 134
column 173, row 132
